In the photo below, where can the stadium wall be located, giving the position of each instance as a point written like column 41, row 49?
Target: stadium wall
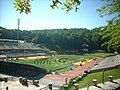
column 21, row 70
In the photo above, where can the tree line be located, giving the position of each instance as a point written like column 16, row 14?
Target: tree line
column 110, row 33
column 74, row 39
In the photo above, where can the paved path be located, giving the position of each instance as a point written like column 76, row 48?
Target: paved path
column 60, row 78
column 106, row 86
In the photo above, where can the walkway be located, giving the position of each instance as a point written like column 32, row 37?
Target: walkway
column 108, row 62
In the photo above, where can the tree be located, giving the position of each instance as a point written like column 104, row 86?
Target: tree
column 111, row 32
column 25, row 6
column 73, row 39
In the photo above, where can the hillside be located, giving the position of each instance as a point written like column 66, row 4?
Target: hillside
column 74, row 39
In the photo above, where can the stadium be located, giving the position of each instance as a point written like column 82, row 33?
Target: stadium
column 16, row 49
column 13, row 70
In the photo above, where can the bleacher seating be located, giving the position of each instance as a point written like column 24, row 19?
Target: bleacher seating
column 17, row 49
column 10, row 49
column 13, row 45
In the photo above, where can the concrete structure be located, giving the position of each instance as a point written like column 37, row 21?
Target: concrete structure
column 107, row 62
column 106, row 86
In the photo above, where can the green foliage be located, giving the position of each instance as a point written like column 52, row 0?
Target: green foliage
column 111, row 32
column 58, row 39
column 71, row 4
column 112, row 36
column 112, row 7
column 55, row 4
column 67, row 5
column 22, row 6
column 25, row 6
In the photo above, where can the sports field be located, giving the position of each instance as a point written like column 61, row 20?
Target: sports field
column 58, row 63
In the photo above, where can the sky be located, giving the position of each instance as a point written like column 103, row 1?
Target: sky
column 43, row 17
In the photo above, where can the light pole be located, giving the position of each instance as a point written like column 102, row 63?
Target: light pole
column 18, row 23
column 103, row 75
column 18, row 29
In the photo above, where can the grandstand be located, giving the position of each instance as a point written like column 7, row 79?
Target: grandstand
column 14, row 49
column 11, row 44
column 17, row 48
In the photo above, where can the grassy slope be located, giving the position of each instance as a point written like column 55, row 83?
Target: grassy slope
column 88, row 79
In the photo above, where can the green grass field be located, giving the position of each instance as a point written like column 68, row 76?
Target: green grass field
column 59, row 63
column 87, row 80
